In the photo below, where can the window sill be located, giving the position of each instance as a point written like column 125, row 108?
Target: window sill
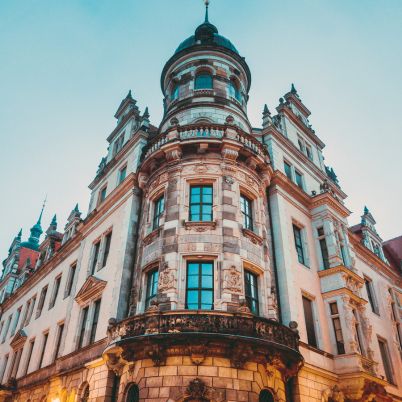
column 200, row 226
column 252, row 236
column 151, row 237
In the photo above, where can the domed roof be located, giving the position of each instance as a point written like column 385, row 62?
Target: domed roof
column 207, row 34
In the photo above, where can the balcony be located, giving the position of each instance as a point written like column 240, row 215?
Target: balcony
column 239, row 336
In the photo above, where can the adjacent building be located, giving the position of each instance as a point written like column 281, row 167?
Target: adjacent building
column 215, row 263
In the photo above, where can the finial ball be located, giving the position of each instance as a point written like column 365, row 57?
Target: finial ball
column 206, row 2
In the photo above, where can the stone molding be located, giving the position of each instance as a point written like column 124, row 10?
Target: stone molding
column 90, row 290
column 200, row 226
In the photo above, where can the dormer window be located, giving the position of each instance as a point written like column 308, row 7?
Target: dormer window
column 175, row 92
column 203, row 81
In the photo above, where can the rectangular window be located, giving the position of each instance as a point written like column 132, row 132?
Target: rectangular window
column 343, row 255
column 31, row 309
column 70, row 280
column 201, row 203
column 370, row 294
column 357, row 331
column 26, row 314
column 6, row 328
column 95, row 320
column 299, row 179
column 102, row 195
column 107, row 241
column 84, row 317
column 288, row 170
column 386, row 360
column 16, row 319
column 336, row 323
column 122, row 174
column 60, row 331
column 246, row 210
column 118, row 145
column 56, row 288
column 251, row 288
column 309, row 319
column 159, row 207
column 29, row 355
column 41, row 301
column 152, row 286
column 200, row 287
column 299, row 244
column 309, row 152
column 323, row 247
column 301, row 146
column 3, row 368
column 15, row 363
column 95, row 255
column 42, row 353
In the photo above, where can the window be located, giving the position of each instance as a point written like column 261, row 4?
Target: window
column 118, row 145
column 266, row 396
column 95, row 255
column 309, row 152
column 323, row 247
column 29, row 355
column 376, row 249
column 152, row 286
column 84, row 317
column 175, row 92
column 102, row 195
column 234, row 91
column 288, row 170
column 95, row 320
column 30, row 311
column 301, row 145
column 336, row 323
column 386, row 360
column 56, row 288
column 370, row 294
column 299, row 244
column 395, row 320
column 201, row 203
column 6, row 328
column 122, row 174
column 16, row 319
column 309, row 319
column 133, row 393
column 299, row 179
column 42, row 354
column 70, row 280
column 251, row 290
column 357, row 332
column 15, row 363
column 203, row 81
column 159, row 207
column 60, row 331
column 246, row 210
column 200, row 289
column 107, row 241
column 41, row 301
column 85, row 394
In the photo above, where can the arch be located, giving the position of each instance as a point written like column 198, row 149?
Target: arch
column 132, row 393
column 84, row 392
column 266, row 396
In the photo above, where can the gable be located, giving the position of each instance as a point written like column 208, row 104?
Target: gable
column 91, row 289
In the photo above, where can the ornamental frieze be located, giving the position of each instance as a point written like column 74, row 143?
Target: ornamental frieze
column 232, row 280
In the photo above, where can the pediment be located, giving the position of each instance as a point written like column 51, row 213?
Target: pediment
column 90, row 290
column 19, row 339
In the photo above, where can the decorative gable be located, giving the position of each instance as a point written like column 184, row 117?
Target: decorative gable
column 90, row 290
column 19, row 339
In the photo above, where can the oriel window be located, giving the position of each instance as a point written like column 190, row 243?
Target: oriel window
column 152, row 286
column 246, row 210
column 200, row 285
column 159, row 207
column 201, row 203
column 251, row 290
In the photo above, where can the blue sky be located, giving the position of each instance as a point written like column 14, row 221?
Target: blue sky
column 65, row 66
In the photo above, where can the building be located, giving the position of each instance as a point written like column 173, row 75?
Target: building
column 215, row 263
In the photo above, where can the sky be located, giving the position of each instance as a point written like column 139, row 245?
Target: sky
column 66, row 65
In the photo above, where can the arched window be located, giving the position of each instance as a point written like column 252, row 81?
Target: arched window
column 133, row 393
column 175, row 92
column 85, row 393
column 203, row 81
column 266, row 396
column 234, row 91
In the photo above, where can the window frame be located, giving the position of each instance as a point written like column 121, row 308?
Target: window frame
column 250, row 299
column 56, row 290
column 82, row 328
column 94, row 321
column 70, row 279
column 246, row 208
column 59, row 337
column 175, row 94
column 372, row 298
column 301, row 257
column 204, row 74
column 96, row 246
column 122, row 177
column 298, row 174
column 102, row 194
column 151, row 282
column 200, row 288
column 287, row 167
column 335, row 317
column 386, row 360
column 158, row 211
column 311, row 330
column 42, row 299
column 201, row 203
column 43, row 349
column 107, row 241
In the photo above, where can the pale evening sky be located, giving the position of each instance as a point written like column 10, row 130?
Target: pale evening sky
column 66, row 65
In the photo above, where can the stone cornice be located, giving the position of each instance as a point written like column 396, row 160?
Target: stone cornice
column 327, row 199
column 340, row 268
column 343, row 292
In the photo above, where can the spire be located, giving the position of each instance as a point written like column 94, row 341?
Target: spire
column 293, row 89
column 206, row 11
column 266, row 117
column 54, row 220
column 76, row 209
column 19, row 235
column 146, row 113
column 129, row 94
column 366, row 210
column 41, row 212
column 266, row 110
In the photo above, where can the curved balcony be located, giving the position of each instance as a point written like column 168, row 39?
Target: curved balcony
column 206, row 133
column 240, row 337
